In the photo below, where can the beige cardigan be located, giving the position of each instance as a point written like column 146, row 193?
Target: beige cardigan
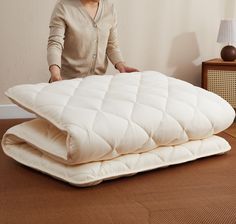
column 80, row 45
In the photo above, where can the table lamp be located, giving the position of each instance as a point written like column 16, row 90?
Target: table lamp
column 227, row 34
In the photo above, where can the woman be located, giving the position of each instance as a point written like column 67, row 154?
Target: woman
column 83, row 35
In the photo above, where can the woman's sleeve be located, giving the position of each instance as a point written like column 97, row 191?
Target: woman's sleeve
column 113, row 50
column 56, row 37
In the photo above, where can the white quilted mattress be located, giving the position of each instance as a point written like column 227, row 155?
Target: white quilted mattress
column 103, row 127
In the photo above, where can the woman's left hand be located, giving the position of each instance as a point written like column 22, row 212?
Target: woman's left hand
column 122, row 68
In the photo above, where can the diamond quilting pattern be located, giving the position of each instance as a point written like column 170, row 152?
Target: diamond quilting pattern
column 95, row 172
column 108, row 116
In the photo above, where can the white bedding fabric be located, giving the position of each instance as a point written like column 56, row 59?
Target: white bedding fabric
column 102, row 127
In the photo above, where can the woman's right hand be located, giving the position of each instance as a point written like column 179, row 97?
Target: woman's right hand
column 55, row 73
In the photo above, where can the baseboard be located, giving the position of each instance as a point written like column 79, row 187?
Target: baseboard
column 12, row 111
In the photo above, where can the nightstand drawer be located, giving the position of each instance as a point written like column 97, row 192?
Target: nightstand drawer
column 220, row 77
column 223, row 83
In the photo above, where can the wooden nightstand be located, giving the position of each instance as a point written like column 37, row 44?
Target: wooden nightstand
column 219, row 77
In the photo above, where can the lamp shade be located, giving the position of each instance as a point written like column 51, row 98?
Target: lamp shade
column 227, row 31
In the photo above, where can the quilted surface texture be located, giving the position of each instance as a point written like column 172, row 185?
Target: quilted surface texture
column 106, row 116
column 102, row 127
column 93, row 173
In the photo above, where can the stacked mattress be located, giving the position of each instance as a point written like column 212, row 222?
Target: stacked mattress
column 101, row 127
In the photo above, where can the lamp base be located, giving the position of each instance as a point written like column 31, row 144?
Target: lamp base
column 228, row 53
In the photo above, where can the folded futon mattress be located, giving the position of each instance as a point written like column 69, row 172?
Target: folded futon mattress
column 102, row 127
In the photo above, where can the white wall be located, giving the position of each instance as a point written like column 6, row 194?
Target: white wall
column 23, row 39
column 171, row 36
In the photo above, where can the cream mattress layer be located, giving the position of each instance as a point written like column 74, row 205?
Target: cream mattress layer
column 95, row 172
